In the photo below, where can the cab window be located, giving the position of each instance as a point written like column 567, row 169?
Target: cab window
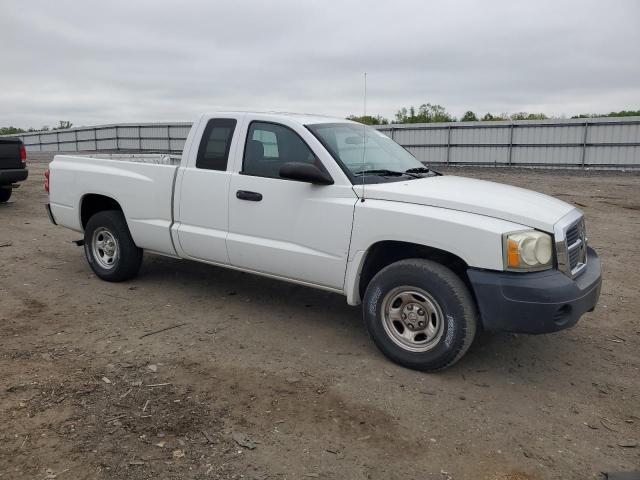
column 213, row 153
column 269, row 146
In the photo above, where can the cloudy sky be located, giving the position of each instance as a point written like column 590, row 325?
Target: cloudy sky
column 96, row 62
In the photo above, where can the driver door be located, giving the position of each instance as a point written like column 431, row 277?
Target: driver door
column 282, row 227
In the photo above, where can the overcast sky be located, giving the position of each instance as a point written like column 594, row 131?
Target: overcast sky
column 102, row 62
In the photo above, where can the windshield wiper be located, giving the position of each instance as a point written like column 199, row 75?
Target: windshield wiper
column 423, row 170
column 381, row 171
column 418, row 170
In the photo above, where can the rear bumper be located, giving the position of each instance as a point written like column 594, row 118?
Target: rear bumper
column 12, row 175
column 539, row 302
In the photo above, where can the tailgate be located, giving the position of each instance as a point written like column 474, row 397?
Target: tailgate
column 10, row 153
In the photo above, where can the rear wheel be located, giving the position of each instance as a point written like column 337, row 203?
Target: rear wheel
column 109, row 248
column 5, row 194
column 420, row 314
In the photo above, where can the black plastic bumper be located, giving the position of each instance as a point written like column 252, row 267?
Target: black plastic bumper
column 13, row 175
column 538, row 302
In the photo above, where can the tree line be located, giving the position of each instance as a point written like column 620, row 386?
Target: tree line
column 433, row 113
column 63, row 124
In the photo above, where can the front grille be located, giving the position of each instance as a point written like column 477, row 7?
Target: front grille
column 576, row 247
column 574, row 258
column 573, row 234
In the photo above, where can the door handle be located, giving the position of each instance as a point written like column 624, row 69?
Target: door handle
column 246, row 195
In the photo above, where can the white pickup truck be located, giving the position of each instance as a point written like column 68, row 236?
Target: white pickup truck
column 336, row 205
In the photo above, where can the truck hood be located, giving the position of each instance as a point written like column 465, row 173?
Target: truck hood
column 492, row 199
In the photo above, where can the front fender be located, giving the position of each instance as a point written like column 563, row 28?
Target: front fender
column 476, row 239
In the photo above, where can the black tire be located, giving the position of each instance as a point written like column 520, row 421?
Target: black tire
column 5, row 194
column 455, row 314
column 111, row 225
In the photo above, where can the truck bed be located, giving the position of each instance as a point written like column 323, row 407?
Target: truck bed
column 151, row 158
column 141, row 184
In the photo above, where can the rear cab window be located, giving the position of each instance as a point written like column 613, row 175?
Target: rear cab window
column 213, row 153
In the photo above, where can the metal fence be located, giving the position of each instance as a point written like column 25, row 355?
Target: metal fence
column 593, row 142
column 149, row 137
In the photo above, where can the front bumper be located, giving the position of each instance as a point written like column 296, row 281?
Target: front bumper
column 538, row 302
column 12, row 175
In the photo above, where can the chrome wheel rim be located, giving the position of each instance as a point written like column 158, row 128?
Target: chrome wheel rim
column 412, row 319
column 105, row 248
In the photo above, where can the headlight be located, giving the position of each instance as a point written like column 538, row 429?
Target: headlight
column 528, row 250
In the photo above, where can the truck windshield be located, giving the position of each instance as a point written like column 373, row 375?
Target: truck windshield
column 365, row 151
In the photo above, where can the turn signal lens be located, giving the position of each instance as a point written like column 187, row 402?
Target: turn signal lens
column 513, row 256
column 529, row 250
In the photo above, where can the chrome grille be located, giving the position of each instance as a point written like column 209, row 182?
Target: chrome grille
column 574, row 257
column 577, row 247
column 573, row 234
column 571, row 246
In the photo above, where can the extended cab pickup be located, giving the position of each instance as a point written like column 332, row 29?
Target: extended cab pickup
column 13, row 165
column 336, row 205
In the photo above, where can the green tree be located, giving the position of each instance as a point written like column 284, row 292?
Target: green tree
column 369, row 119
column 63, row 125
column 625, row 113
column 469, row 116
column 427, row 113
column 528, row 116
column 621, row 113
column 434, row 114
column 488, row 117
column 401, row 116
column 10, row 130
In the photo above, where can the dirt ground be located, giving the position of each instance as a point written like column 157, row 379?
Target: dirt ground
column 266, row 380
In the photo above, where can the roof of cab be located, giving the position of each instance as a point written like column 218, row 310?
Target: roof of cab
column 301, row 118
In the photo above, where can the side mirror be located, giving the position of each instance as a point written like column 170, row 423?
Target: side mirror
column 305, row 172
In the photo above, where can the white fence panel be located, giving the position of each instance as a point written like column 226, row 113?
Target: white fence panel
column 86, row 134
column 597, row 142
column 485, row 155
column 429, row 155
column 482, row 136
column 620, row 156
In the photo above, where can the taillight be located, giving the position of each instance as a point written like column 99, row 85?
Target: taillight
column 23, row 155
column 46, row 180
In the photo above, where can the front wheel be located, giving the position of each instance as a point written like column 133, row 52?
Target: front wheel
column 109, row 248
column 420, row 314
column 5, row 194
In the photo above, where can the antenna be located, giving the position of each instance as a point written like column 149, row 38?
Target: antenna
column 365, row 95
column 364, row 133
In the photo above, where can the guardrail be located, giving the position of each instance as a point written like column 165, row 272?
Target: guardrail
column 594, row 142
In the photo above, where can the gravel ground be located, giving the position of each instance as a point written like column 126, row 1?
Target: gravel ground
column 262, row 379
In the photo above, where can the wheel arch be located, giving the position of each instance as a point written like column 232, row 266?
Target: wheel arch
column 386, row 252
column 92, row 203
